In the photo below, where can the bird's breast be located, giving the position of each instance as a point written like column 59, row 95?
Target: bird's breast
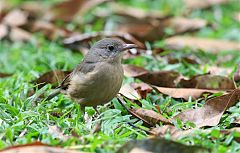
column 99, row 86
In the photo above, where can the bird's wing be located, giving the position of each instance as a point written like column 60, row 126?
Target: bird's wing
column 65, row 83
column 84, row 67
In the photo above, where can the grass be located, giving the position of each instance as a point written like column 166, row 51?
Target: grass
column 28, row 60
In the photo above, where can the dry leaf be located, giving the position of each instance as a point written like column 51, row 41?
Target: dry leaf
column 3, row 31
column 159, row 145
column 36, row 9
column 188, row 59
column 151, row 25
column 36, row 147
column 211, row 113
column 17, row 34
column 15, row 18
column 205, row 44
column 136, row 13
column 184, row 93
column 49, row 30
column 149, row 116
column 208, row 81
column 181, row 25
column 170, row 129
column 79, row 40
column 215, row 70
column 67, row 10
column 134, row 71
column 57, row 133
column 178, row 133
column 148, row 31
column 196, row 4
column 128, row 91
column 158, row 78
column 142, row 88
column 89, row 4
column 53, row 77
column 2, row 6
column 4, row 75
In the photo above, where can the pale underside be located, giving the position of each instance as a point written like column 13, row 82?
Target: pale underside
column 98, row 86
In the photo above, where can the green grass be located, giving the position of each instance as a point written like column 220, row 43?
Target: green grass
column 28, row 60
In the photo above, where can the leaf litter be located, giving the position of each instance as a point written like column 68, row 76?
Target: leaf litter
column 211, row 113
column 205, row 44
column 158, row 78
column 54, row 77
column 156, row 145
column 208, row 81
column 37, row 147
column 137, row 27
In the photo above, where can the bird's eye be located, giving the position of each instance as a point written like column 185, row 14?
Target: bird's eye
column 110, row 47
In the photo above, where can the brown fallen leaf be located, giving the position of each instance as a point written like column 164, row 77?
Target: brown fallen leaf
column 68, row 10
column 18, row 34
column 170, row 129
column 179, row 133
column 159, row 145
column 4, row 75
column 158, row 78
column 151, row 25
column 148, row 31
column 190, row 60
column 205, row 44
column 184, row 93
column 195, row 4
column 2, row 6
column 53, row 77
column 208, row 81
column 142, row 88
column 36, row 147
column 79, row 40
column 181, row 25
column 89, row 4
column 136, row 13
column 128, row 91
column 5, row 6
column 134, row 71
column 215, row 70
column 236, row 75
column 65, row 10
column 57, row 133
column 35, row 9
column 15, row 18
column 149, row 116
column 49, row 30
column 211, row 113
column 14, row 33
column 3, row 31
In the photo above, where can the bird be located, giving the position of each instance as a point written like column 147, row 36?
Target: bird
column 98, row 78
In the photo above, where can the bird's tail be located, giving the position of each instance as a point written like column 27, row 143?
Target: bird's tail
column 54, row 93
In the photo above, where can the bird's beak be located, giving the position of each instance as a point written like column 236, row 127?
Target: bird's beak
column 128, row 46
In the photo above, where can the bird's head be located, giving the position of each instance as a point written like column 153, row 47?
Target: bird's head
column 108, row 49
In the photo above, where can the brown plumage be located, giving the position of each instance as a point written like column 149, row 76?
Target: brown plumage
column 98, row 78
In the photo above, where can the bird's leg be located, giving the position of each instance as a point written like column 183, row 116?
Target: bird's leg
column 82, row 109
column 84, row 113
column 95, row 108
